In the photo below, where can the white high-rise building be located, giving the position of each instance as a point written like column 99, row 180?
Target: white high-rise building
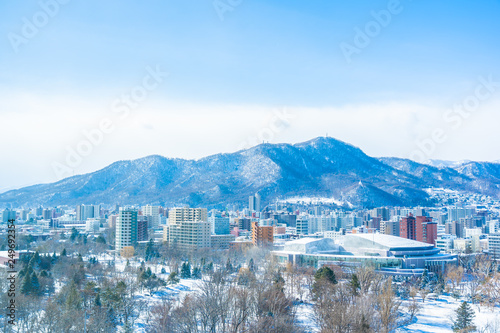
column 188, row 228
column 254, row 203
column 219, row 225
column 126, row 228
column 84, row 212
column 302, row 225
column 153, row 214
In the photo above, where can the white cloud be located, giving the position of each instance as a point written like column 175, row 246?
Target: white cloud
column 31, row 140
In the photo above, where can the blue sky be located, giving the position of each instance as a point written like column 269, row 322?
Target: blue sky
column 226, row 78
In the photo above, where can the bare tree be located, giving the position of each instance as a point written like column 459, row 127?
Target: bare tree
column 161, row 317
column 387, row 307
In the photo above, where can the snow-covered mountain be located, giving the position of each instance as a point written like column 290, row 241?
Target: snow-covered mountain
column 322, row 167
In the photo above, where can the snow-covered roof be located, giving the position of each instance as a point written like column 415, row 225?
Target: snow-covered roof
column 311, row 245
column 382, row 241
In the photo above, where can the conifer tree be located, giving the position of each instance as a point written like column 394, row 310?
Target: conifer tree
column 186, row 270
column 173, row 278
column 464, row 319
column 73, row 299
column 326, row 273
column 355, row 285
column 35, row 284
column 229, row 266
column 196, row 273
column 97, row 300
column 26, row 284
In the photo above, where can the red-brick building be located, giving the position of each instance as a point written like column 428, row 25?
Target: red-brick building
column 408, row 227
column 420, row 228
column 262, row 236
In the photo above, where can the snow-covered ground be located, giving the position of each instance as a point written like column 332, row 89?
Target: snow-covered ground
column 315, row 201
column 436, row 316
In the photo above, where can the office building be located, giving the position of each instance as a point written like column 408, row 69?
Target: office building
column 219, row 225
column 177, row 215
column 408, row 227
column 389, row 228
column 243, row 223
column 221, row 241
column 494, row 246
column 92, row 225
column 142, row 228
column 420, row 228
column 262, row 236
column 188, row 228
column 302, row 225
column 126, row 229
column 426, row 230
column 84, row 212
column 153, row 214
column 254, row 203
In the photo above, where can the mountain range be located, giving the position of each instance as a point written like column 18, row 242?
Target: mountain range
column 322, row 167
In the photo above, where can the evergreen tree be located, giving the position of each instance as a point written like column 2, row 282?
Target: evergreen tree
column 63, row 253
column 36, row 259
column 149, row 250
column 196, row 273
column 210, row 267
column 229, row 266
column 355, row 286
column 35, row 284
column 251, row 265
column 100, row 239
column 97, row 300
column 74, row 234
column 424, row 280
column 173, row 278
column 325, row 273
column 73, row 299
column 26, row 285
column 464, row 319
column 186, row 270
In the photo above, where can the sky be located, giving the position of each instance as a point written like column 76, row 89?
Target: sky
column 86, row 83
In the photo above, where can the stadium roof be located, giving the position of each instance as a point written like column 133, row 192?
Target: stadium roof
column 383, row 242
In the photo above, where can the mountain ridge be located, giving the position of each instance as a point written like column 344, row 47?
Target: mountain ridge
column 321, row 166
